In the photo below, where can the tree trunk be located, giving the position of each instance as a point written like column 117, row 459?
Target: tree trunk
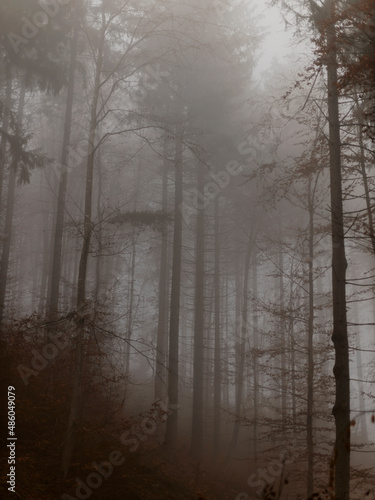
column 361, row 396
column 255, row 358
column 129, row 329
column 283, row 380
column 161, row 346
column 197, row 424
column 341, row 409
column 46, row 263
column 75, row 402
column 171, row 430
column 98, row 262
column 59, row 224
column 225, row 360
column 240, row 356
column 293, row 364
column 310, row 347
column 217, row 347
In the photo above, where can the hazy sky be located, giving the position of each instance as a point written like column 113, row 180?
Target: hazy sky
column 275, row 45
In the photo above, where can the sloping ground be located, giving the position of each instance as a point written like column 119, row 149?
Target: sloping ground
column 142, row 477
column 150, row 473
column 149, row 477
column 153, row 473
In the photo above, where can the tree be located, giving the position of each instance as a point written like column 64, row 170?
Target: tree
column 199, row 327
column 163, row 309
column 341, row 409
column 218, row 333
column 324, row 18
column 61, row 197
column 22, row 163
column 35, row 63
column 107, row 78
column 174, row 321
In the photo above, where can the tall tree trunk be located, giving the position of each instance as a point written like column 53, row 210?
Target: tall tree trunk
column 160, row 371
column 361, row 396
column 8, row 227
column 255, row 357
column 209, row 355
column 241, row 345
column 53, row 298
column 283, row 380
column 76, row 396
column 67, row 271
column 129, row 329
column 35, row 262
column 292, row 363
column 186, row 366
column 197, row 424
column 217, row 345
column 46, row 264
column 310, row 348
column 171, row 430
column 74, row 279
column 100, row 214
column 341, row 409
column 225, row 360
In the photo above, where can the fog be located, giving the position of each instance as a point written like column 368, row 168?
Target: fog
column 187, row 249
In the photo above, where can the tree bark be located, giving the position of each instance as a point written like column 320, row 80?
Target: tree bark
column 255, row 358
column 292, row 364
column 240, row 355
column 225, row 360
column 341, row 409
column 197, row 423
column 129, row 329
column 217, row 345
column 161, row 346
column 100, row 214
column 46, row 264
column 59, row 224
column 75, row 402
column 361, row 396
column 283, row 380
column 171, row 430
column 310, row 348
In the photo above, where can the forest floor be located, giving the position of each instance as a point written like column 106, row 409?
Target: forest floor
column 149, row 473
column 146, row 475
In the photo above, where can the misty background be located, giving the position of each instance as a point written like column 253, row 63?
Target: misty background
column 166, row 246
